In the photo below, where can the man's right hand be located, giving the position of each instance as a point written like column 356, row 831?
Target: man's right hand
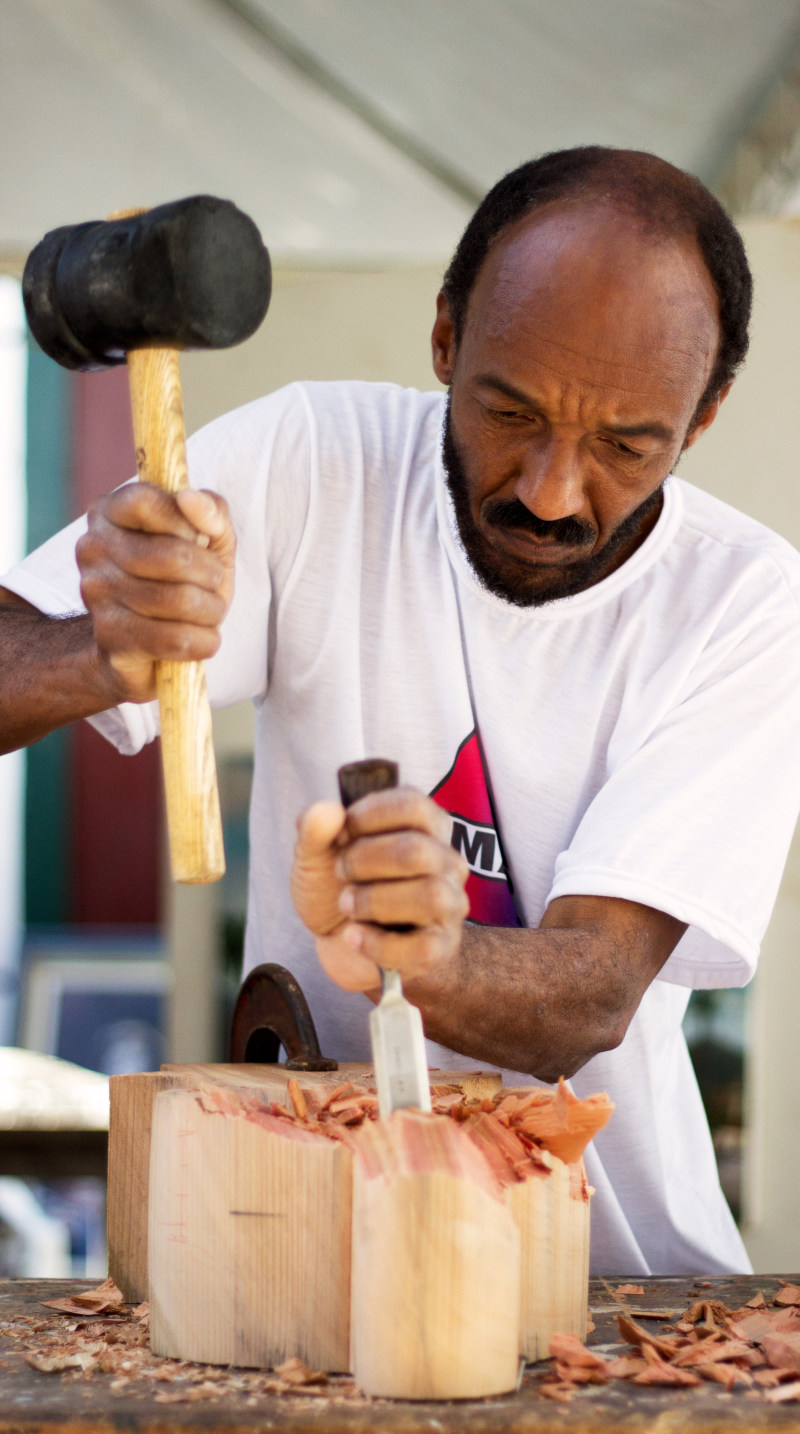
column 157, row 579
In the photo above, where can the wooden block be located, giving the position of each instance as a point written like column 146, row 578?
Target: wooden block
column 249, row 1236
column 132, row 1099
column 469, row 1239
column 130, row 1119
column 272, row 1081
column 436, row 1264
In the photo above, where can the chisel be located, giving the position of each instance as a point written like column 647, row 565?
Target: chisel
column 395, row 1026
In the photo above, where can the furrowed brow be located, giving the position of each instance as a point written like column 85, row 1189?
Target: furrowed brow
column 641, row 430
column 490, row 380
column 649, row 429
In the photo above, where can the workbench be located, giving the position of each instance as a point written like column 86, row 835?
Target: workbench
column 74, row 1403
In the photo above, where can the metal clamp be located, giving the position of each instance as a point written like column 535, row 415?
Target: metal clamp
column 271, row 1011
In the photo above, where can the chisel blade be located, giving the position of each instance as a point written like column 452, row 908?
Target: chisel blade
column 395, row 1026
column 398, row 1051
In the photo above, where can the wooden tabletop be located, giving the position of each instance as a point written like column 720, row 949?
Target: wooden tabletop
column 76, row 1403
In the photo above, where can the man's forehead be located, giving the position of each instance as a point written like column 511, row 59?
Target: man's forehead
column 571, row 253
column 590, row 285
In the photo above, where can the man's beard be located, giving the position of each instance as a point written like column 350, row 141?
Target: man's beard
column 509, row 577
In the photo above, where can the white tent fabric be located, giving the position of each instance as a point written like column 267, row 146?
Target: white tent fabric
column 488, row 83
column 357, row 131
column 114, row 103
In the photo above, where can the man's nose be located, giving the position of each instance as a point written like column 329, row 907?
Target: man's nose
column 550, row 483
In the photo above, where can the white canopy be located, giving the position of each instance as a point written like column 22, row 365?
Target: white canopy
column 363, row 131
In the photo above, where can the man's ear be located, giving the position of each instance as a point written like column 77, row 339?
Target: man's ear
column 443, row 341
column 706, row 418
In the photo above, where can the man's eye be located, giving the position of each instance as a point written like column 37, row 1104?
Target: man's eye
column 506, row 413
column 626, row 452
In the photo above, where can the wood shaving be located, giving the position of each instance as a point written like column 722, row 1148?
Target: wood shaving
column 725, row 1374
column 64, row 1359
column 294, row 1371
column 89, row 1302
column 633, row 1333
column 567, row 1349
column 297, row 1098
column 623, row 1290
column 782, row 1351
column 660, row 1373
column 783, row 1393
column 625, row 1367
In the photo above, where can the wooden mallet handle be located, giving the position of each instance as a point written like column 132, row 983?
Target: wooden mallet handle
column 190, row 777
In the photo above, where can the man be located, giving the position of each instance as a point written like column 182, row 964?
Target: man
column 590, row 666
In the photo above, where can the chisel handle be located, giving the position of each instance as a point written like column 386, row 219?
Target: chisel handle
column 358, row 779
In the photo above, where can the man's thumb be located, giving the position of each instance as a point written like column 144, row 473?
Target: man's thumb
column 317, row 830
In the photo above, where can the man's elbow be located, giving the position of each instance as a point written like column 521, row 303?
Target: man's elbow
column 579, row 1041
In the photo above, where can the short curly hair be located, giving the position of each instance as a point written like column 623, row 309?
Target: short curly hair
column 665, row 199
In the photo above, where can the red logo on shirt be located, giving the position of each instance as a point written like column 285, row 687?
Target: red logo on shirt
column 464, row 793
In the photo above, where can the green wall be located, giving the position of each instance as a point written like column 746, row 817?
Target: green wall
column 47, row 802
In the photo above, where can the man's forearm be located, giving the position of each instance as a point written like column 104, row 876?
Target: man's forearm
column 544, row 1001
column 50, row 674
column 531, row 1001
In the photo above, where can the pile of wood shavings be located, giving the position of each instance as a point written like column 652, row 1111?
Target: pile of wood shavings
column 755, row 1349
column 512, row 1128
column 95, row 1333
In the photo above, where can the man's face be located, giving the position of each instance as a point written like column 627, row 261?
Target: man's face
column 586, row 348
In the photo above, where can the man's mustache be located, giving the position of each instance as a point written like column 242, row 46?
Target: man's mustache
column 511, row 513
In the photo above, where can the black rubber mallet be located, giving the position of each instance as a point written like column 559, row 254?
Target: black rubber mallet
column 139, row 287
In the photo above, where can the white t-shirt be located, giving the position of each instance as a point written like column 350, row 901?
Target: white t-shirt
column 638, row 740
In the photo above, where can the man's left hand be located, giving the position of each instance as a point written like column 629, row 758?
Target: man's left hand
column 386, row 861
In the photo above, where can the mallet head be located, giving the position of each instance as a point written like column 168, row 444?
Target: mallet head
column 189, row 275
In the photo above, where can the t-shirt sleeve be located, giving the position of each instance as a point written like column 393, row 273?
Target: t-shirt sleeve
column 258, row 459
column 697, row 822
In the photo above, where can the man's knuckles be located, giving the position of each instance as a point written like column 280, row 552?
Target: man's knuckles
column 393, row 854
column 421, row 902
column 168, row 559
column 415, row 954
column 143, row 506
column 119, row 630
column 177, row 602
column 398, row 808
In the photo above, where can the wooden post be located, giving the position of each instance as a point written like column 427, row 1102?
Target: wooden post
column 249, row 1236
column 436, row 1264
column 552, row 1215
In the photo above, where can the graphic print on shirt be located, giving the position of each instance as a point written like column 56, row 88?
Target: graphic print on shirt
column 464, row 793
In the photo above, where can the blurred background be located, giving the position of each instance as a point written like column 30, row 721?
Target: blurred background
column 360, row 135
